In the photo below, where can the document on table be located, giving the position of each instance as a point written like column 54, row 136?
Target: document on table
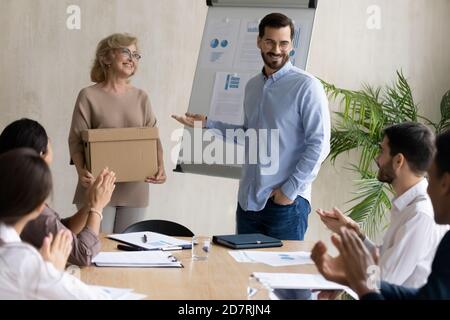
column 273, row 258
column 300, row 281
column 137, row 259
column 120, row 293
column 150, row 240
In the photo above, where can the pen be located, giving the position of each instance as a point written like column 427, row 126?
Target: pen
column 171, row 248
column 129, row 248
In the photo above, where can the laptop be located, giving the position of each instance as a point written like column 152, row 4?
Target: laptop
column 247, row 241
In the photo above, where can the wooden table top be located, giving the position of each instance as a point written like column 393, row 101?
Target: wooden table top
column 219, row 277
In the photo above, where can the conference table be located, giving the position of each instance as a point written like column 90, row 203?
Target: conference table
column 218, row 277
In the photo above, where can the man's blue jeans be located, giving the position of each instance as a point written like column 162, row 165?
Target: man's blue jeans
column 282, row 222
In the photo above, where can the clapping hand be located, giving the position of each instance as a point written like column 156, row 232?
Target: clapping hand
column 57, row 249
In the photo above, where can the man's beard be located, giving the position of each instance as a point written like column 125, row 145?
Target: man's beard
column 275, row 65
column 386, row 173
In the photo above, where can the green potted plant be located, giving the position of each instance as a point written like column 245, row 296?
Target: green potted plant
column 359, row 126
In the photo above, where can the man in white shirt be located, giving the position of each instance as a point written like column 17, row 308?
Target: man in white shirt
column 410, row 242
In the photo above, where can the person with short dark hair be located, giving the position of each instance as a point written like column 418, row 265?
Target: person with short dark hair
column 410, row 241
column 25, row 133
column 25, row 272
column 351, row 266
column 84, row 224
column 415, row 142
column 291, row 102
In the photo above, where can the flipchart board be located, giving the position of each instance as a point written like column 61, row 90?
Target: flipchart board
column 228, row 58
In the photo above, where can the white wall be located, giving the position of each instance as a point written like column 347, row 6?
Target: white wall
column 413, row 37
column 44, row 65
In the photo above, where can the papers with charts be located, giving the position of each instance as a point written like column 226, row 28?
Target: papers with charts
column 120, row 293
column 300, row 281
column 137, row 259
column 228, row 97
column 273, row 258
column 150, row 240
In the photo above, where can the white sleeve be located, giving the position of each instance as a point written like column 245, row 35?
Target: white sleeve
column 42, row 280
column 411, row 243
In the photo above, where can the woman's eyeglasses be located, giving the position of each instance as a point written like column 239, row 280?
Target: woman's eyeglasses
column 131, row 55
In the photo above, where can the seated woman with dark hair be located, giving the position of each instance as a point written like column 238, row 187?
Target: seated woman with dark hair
column 25, row 273
column 85, row 224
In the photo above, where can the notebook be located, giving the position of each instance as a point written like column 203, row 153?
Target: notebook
column 138, row 259
column 247, row 241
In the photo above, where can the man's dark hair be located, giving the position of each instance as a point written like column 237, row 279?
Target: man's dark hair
column 24, row 185
column 442, row 157
column 415, row 141
column 24, row 133
column 277, row 21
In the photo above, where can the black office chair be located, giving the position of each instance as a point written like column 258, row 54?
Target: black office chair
column 166, row 227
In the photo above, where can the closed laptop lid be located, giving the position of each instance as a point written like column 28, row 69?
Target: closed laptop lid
column 250, row 238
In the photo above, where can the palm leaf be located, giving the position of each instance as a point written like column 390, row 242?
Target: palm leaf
column 444, row 124
column 359, row 126
column 373, row 203
column 399, row 105
column 346, row 136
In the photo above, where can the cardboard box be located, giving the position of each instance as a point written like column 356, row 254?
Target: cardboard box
column 130, row 152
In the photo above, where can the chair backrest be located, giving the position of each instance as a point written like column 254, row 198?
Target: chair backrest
column 166, row 227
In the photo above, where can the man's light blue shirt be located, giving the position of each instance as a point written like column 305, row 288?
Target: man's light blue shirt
column 294, row 102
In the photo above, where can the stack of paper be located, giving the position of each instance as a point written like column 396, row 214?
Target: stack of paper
column 120, row 293
column 272, row 258
column 150, row 240
column 138, row 259
column 300, row 281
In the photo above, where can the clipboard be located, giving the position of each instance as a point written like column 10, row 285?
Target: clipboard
column 142, row 259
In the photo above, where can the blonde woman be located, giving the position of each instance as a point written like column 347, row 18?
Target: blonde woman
column 112, row 102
